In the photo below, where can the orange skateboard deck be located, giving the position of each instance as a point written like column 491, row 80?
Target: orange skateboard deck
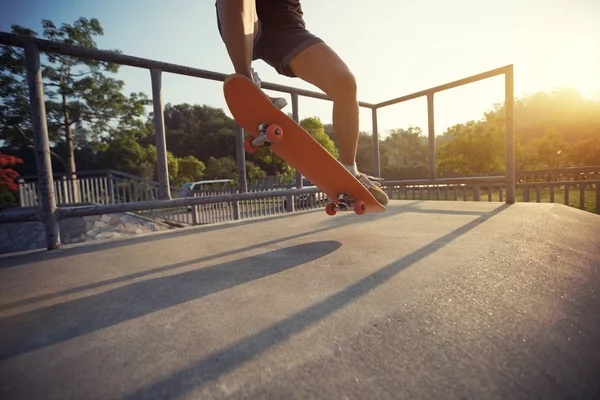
column 254, row 112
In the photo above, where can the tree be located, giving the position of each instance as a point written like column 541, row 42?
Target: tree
column 190, row 170
column 79, row 95
column 124, row 153
column 315, row 127
column 476, row 147
column 148, row 167
column 199, row 131
column 253, row 172
column 221, row 168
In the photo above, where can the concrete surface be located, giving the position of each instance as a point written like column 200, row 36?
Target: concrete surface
column 431, row 300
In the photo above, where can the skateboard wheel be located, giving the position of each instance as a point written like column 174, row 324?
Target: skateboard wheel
column 248, row 145
column 360, row 208
column 330, row 209
column 274, row 133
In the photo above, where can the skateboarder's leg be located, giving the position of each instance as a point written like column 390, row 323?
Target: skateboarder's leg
column 321, row 66
column 238, row 24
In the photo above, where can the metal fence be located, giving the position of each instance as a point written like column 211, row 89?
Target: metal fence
column 49, row 212
column 114, row 187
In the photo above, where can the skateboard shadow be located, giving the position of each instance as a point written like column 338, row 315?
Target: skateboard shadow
column 330, row 223
column 15, row 260
column 43, row 327
column 220, row 363
column 165, row 268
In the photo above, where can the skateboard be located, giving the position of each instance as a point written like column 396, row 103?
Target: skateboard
column 270, row 127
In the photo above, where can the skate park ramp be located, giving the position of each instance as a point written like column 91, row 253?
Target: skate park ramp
column 430, row 300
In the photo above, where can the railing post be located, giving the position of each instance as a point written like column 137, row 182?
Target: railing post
column 432, row 144
column 509, row 114
column 42, row 146
column 111, row 187
column 376, row 164
column 21, row 187
column 296, row 117
column 241, row 159
column 159, row 131
column 598, row 198
column 241, row 167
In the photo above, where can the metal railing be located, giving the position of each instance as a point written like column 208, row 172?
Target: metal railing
column 49, row 213
column 581, row 194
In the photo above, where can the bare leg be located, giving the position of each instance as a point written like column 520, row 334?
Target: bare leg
column 239, row 24
column 322, row 67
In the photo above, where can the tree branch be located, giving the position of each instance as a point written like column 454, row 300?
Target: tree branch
column 30, row 143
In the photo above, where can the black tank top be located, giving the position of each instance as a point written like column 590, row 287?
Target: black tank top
column 280, row 12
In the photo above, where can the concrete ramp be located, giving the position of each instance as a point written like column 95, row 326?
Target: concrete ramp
column 431, row 300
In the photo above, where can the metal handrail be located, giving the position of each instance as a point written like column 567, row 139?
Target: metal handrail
column 50, row 213
column 139, row 62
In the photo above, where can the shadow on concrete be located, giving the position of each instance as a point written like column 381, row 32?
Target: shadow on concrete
column 152, row 271
column 221, row 362
column 331, row 223
column 36, row 329
column 15, row 260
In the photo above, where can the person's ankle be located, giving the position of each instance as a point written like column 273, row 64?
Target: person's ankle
column 351, row 168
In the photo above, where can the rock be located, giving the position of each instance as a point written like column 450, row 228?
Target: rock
column 82, row 237
column 105, row 218
column 90, row 233
column 120, row 228
column 99, row 224
column 138, row 231
column 114, row 220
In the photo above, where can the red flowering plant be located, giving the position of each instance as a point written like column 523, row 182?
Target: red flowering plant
column 8, row 175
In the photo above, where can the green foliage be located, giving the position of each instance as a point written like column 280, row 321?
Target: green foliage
column 554, row 129
column 199, row 131
column 476, row 147
column 253, row 173
column 221, row 168
column 79, row 94
column 90, row 118
column 190, row 169
column 315, row 127
column 7, row 198
column 148, row 168
column 123, row 153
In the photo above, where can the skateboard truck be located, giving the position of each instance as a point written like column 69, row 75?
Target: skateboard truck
column 268, row 134
column 345, row 203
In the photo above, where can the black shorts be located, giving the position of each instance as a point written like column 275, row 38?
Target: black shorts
column 278, row 45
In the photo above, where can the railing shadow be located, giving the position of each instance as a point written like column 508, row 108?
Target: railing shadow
column 15, row 260
column 329, row 224
column 226, row 360
column 43, row 327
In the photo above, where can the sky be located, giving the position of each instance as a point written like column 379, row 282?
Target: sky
column 393, row 47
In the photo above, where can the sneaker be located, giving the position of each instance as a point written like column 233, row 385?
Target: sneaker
column 370, row 182
column 278, row 102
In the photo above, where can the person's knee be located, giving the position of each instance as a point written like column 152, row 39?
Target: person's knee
column 344, row 84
